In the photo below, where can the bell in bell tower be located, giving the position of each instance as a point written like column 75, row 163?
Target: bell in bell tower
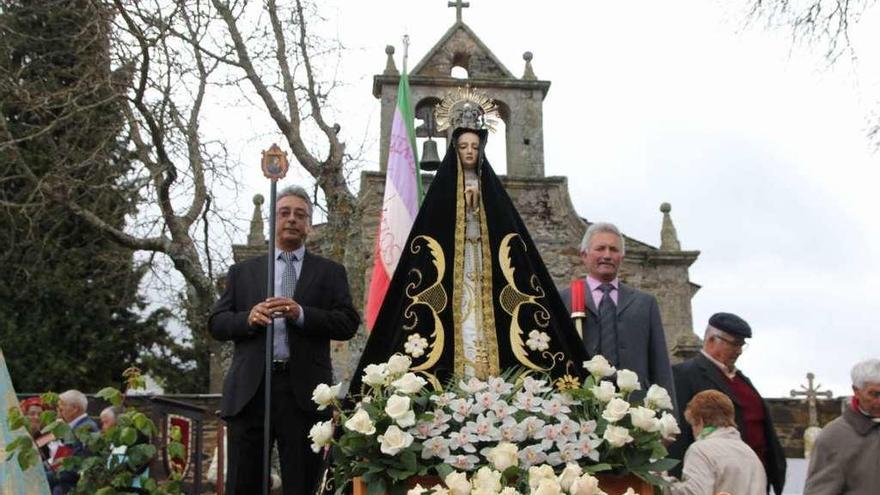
column 520, row 99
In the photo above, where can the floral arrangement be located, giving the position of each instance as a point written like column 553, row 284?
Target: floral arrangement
column 516, row 429
column 541, row 480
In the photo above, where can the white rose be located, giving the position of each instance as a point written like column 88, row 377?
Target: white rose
column 643, row 419
column 627, row 381
column 503, row 456
column 487, row 480
column 617, row 436
column 458, row 483
column 585, row 485
column 394, row 440
column 658, row 398
column 509, row 490
column 668, row 426
column 599, row 366
column 538, row 473
column 360, row 422
column 571, row 472
column 416, row 490
column 615, row 410
column 321, row 434
column 323, row 395
column 439, row 490
column 630, row 491
column 398, row 409
column 375, row 374
column 548, row 486
column 409, row 383
column 605, row 391
column 399, row 364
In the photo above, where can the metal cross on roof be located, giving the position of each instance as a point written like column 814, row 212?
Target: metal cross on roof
column 811, row 393
column 458, row 4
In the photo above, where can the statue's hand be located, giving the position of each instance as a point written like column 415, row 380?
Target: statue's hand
column 472, row 198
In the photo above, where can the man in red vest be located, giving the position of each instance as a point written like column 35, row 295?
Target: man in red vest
column 715, row 368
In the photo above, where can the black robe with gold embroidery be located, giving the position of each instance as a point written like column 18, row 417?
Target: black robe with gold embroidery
column 424, row 296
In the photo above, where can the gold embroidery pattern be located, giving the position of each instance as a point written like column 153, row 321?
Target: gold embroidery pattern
column 512, row 300
column 490, row 336
column 434, row 298
column 459, row 359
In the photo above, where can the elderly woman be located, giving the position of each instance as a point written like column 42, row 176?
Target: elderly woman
column 718, row 461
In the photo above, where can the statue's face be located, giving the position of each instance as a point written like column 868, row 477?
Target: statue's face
column 468, row 149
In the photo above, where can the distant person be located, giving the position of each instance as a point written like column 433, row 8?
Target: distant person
column 72, row 407
column 623, row 323
column 108, row 417
column 312, row 306
column 714, row 368
column 32, row 408
column 846, row 457
column 718, row 461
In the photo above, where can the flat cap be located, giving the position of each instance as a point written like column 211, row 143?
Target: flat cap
column 732, row 324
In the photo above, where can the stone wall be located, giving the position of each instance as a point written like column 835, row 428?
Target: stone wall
column 792, row 416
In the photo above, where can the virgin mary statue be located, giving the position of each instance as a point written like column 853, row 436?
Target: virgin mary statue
column 470, row 295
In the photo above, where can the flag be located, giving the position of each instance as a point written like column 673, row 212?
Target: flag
column 401, row 201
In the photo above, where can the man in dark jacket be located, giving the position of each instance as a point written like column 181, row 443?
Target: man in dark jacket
column 72, row 407
column 715, row 368
column 312, row 306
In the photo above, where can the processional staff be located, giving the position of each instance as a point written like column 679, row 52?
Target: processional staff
column 274, row 164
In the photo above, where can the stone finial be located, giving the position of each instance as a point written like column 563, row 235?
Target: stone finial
column 529, row 73
column 668, row 235
column 390, row 68
column 257, row 237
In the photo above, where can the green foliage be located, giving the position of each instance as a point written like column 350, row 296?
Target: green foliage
column 103, row 467
column 69, row 302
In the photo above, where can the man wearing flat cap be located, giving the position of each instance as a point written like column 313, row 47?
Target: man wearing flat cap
column 715, row 368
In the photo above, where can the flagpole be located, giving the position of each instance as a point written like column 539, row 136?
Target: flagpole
column 405, row 51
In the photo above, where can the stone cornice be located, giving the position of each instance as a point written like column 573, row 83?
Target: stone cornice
column 381, row 80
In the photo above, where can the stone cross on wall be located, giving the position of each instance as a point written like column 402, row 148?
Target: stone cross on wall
column 458, row 4
column 811, row 393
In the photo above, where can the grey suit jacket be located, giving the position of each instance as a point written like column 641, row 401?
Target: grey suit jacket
column 641, row 341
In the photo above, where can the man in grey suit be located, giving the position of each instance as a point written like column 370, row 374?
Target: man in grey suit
column 623, row 323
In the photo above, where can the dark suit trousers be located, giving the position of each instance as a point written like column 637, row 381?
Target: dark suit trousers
column 290, row 429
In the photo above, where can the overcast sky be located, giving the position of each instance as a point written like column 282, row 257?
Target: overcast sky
column 758, row 146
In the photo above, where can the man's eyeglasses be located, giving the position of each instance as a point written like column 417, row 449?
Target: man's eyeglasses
column 742, row 344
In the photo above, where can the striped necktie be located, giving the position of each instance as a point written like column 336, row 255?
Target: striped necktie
column 280, row 342
column 608, row 325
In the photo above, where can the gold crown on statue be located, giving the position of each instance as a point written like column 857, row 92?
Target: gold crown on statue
column 466, row 107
